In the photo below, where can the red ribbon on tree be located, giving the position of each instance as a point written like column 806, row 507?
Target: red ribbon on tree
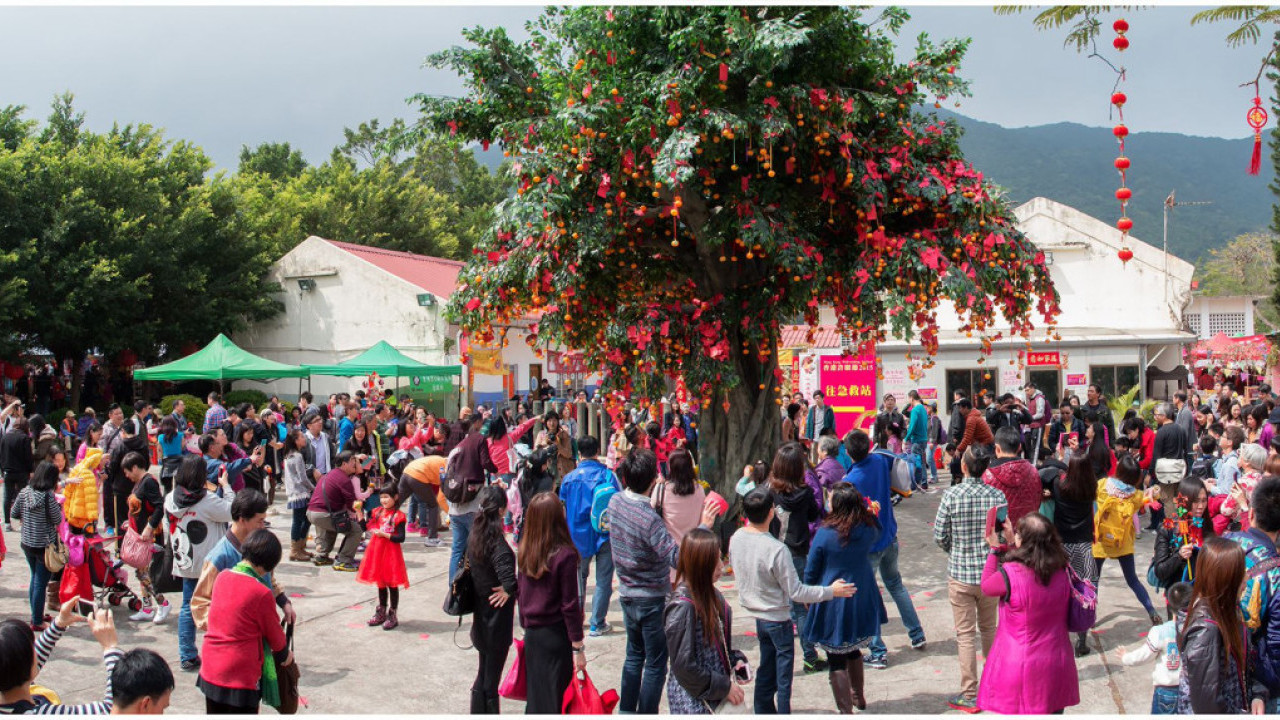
column 1257, row 119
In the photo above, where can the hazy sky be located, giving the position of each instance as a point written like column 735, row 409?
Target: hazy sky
column 222, row 77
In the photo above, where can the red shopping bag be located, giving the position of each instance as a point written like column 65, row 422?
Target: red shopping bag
column 513, row 686
column 582, row 698
column 75, row 582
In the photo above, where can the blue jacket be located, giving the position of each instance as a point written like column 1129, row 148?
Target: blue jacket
column 346, row 428
column 842, row 624
column 576, row 492
column 871, row 477
column 810, row 425
column 1261, row 604
column 918, row 425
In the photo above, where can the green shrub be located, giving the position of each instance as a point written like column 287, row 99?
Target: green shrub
column 234, row 398
column 56, row 416
column 193, row 412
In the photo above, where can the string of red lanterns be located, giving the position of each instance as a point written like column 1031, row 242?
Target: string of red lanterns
column 1123, row 193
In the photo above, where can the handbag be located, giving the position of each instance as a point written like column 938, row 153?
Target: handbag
column 55, row 553
column 582, row 698
column 515, row 685
column 1082, row 606
column 341, row 520
column 287, row 678
column 134, row 551
column 161, row 573
column 461, row 598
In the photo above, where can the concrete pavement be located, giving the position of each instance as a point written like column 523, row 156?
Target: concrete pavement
column 349, row 668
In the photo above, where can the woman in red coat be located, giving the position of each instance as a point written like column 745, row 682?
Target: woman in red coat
column 242, row 616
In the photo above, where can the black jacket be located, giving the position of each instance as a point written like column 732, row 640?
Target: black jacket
column 16, row 454
column 1169, row 565
column 492, row 628
column 137, row 443
column 796, row 510
column 685, row 638
column 1015, row 419
column 1171, row 443
column 1058, row 429
column 1206, row 671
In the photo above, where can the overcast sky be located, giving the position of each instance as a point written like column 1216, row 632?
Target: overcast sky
column 223, row 77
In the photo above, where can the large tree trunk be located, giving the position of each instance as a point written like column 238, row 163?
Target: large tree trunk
column 77, row 382
column 749, row 430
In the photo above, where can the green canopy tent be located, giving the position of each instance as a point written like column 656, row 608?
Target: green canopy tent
column 386, row 361
column 221, row 360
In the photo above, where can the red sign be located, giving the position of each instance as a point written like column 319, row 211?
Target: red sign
column 849, row 386
column 1041, row 359
column 568, row 363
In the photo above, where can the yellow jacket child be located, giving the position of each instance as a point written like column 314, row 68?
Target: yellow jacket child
column 81, row 490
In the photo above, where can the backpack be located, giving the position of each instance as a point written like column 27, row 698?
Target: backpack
column 901, row 473
column 1203, row 467
column 1113, row 523
column 455, row 488
column 600, row 507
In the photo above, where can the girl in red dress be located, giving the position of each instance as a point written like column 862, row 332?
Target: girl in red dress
column 383, row 563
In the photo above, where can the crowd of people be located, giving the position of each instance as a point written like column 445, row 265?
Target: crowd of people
column 1040, row 499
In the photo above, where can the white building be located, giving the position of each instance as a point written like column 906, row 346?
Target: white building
column 340, row 299
column 1231, row 315
column 1121, row 324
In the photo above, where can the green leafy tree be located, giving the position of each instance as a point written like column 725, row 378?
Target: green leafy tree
column 1244, row 266
column 687, row 177
column 277, row 161
column 120, row 243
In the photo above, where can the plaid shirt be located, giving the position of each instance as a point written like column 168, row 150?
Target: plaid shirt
column 214, row 417
column 960, row 527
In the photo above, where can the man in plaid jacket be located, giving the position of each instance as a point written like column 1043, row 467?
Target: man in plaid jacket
column 960, row 529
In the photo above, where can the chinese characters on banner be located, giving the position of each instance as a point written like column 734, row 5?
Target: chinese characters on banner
column 1073, row 380
column 808, row 373
column 849, row 384
column 1042, row 359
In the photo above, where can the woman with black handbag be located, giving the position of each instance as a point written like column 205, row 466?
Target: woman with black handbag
column 550, row 608
column 492, row 567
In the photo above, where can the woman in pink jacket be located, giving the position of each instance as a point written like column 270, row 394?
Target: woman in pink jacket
column 500, row 441
column 1031, row 669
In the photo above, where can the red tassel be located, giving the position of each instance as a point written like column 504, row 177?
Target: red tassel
column 1255, row 164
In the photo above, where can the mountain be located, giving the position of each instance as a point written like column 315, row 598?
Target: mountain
column 1072, row 164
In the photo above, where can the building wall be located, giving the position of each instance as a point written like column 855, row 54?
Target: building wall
column 353, row 306
column 1233, row 315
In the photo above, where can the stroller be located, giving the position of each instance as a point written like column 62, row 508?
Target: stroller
column 101, row 577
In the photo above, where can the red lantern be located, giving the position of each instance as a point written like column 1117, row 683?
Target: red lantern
column 1124, row 224
column 1121, row 26
column 1123, row 194
column 1122, row 163
column 1121, row 43
column 1120, row 131
column 1118, row 99
column 1125, row 255
column 1257, row 119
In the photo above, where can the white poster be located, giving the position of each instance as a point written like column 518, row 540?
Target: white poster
column 1010, row 380
column 808, row 373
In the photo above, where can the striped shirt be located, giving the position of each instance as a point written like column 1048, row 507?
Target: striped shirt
column 961, row 525
column 39, row 705
column 40, row 514
column 643, row 551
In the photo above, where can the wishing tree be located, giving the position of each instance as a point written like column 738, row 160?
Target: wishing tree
column 689, row 178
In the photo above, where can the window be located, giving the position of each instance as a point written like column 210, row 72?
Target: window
column 1193, row 323
column 971, row 381
column 1230, row 323
column 1046, row 381
column 1114, row 379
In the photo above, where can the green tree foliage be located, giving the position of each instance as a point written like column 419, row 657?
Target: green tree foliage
column 116, row 241
column 431, row 198
column 1244, row 266
column 687, row 177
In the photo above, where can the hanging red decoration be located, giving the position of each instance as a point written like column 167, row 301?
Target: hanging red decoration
column 14, row 371
column 1121, row 131
column 1257, row 119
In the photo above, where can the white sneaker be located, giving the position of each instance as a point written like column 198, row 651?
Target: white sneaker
column 142, row 615
column 161, row 613
column 431, row 542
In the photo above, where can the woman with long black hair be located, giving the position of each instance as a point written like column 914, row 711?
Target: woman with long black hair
column 493, row 572
column 550, row 607
column 797, row 510
column 697, row 623
column 38, row 510
column 1074, row 492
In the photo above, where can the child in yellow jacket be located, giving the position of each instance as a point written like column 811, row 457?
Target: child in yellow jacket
column 81, row 491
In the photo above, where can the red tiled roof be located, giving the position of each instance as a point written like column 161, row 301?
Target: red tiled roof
column 793, row 336
column 434, row 275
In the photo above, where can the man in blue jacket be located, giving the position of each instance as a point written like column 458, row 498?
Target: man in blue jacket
column 1260, row 601
column 821, row 416
column 577, row 490
column 917, row 438
column 870, row 474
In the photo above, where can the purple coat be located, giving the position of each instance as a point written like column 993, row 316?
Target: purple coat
column 815, row 484
column 1031, row 669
